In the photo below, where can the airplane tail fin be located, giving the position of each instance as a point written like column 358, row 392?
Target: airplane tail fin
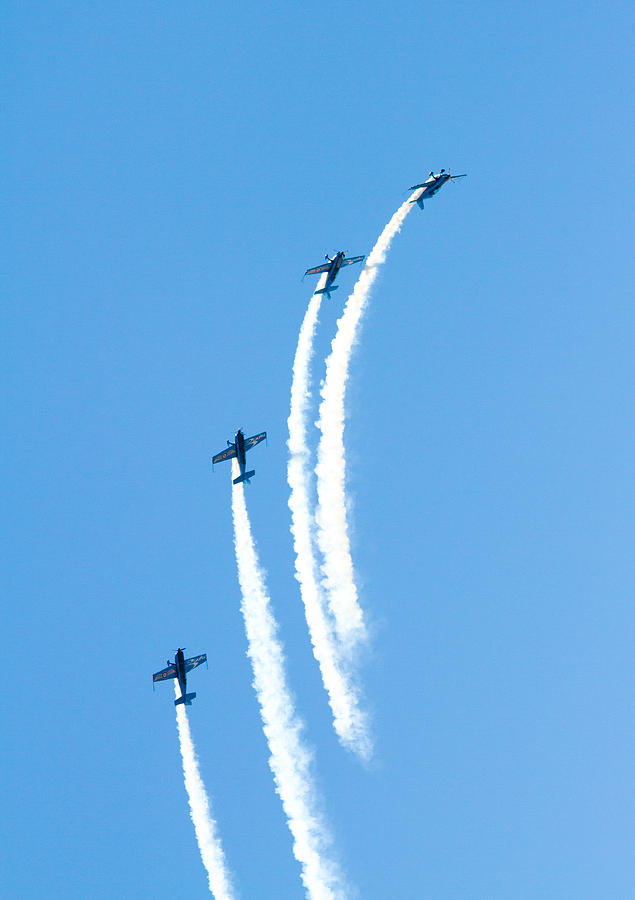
column 419, row 203
column 327, row 291
column 245, row 477
column 187, row 699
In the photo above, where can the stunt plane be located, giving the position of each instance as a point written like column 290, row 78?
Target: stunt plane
column 177, row 669
column 239, row 448
column 332, row 266
column 432, row 185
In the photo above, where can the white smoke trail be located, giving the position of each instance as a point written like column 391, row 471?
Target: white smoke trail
column 290, row 759
column 349, row 720
column 332, row 529
column 204, row 825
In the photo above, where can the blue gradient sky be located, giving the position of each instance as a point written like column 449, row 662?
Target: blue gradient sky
column 172, row 169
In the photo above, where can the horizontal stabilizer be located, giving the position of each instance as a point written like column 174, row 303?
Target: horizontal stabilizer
column 333, row 287
column 187, row 699
column 245, row 477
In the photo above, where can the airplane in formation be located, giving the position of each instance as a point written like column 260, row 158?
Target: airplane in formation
column 432, row 185
column 178, row 669
column 332, row 266
column 239, row 448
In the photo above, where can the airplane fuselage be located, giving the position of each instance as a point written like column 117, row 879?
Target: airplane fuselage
column 241, row 456
column 179, row 662
column 336, row 265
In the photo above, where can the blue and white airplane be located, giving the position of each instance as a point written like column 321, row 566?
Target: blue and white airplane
column 178, row 669
column 239, row 448
column 432, row 185
column 332, row 266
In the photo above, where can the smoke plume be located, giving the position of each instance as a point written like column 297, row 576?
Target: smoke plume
column 290, row 760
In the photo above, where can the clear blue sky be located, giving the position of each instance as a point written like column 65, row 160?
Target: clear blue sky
column 171, row 171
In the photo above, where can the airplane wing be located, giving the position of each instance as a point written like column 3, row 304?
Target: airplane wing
column 224, row 454
column 170, row 672
column 319, row 269
column 195, row 661
column 353, row 259
column 252, row 441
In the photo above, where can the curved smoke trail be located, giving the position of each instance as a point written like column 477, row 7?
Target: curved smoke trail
column 332, row 528
column 349, row 720
column 204, row 825
column 290, row 759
